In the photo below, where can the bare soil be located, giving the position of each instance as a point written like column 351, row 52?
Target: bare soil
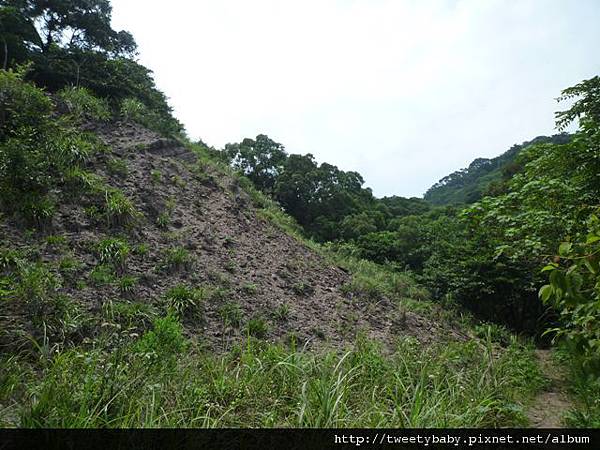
column 550, row 405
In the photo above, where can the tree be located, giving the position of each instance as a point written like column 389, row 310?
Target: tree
column 261, row 160
column 72, row 25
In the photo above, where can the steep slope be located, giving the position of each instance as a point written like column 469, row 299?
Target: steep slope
column 197, row 231
column 470, row 184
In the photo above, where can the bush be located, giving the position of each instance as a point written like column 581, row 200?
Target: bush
column 82, row 104
column 165, row 341
column 37, row 152
column 573, row 289
column 22, row 105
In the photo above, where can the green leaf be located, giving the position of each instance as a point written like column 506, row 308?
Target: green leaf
column 592, row 238
column 565, row 248
column 545, row 292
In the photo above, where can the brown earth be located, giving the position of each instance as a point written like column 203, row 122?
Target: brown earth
column 549, row 407
column 256, row 264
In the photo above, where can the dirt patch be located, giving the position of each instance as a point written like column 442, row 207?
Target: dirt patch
column 550, row 405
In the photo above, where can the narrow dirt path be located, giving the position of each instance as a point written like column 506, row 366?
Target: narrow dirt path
column 549, row 407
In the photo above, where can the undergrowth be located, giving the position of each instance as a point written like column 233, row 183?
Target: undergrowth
column 163, row 380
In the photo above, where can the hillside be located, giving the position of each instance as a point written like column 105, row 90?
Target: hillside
column 195, row 230
column 470, row 184
column 150, row 281
column 137, row 257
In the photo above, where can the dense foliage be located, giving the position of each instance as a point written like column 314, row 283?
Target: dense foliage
column 329, row 203
column 72, row 43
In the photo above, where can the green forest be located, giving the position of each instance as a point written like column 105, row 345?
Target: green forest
column 149, row 280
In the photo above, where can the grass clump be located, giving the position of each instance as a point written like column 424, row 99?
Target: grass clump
column 117, row 166
column 177, row 259
column 161, row 380
column 257, row 326
column 250, row 289
column 113, row 252
column 231, row 314
column 184, row 300
column 119, row 210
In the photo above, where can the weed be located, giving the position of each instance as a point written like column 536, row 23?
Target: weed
column 119, row 209
column 38, row 211
column 113, row 251
column 68, row 267
column 10, row 260
column 82, row 104
column 257, row 326
column 127, row 284
column 183, row 299
column 117, row 166
column 282, row 312
column 165, row 341
column 163, row 220
column 141, row 249
column 231, row 314
column 178, row 181
column 230, row 266
column 155, row 176
column 303, row 289
column 250, row 289
column 177, row 259
column 102, row 274
column 56, row 241
column 36, row 288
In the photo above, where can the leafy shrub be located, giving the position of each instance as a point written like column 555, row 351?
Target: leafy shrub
column 574, row 291
column 82, row 104
column 22, row 105
column 37, row 152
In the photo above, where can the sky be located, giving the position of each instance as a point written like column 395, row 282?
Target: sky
column 402, row 91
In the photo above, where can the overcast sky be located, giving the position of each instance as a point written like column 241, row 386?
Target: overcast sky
column 403, row 92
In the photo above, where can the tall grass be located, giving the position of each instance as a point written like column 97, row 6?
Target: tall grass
column 257, row 384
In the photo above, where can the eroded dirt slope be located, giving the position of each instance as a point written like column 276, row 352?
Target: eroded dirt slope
column 240, row 259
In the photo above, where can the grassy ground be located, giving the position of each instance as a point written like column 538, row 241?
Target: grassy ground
column 162, row 380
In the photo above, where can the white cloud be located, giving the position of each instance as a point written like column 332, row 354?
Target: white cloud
column 402, row 91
